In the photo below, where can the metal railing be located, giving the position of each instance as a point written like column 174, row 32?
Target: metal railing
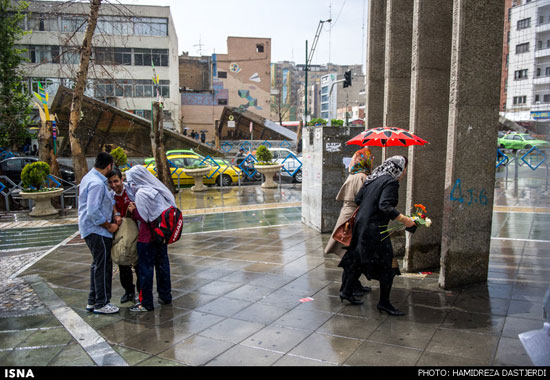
column 242, row 165
column 11, row 191
column 533, row 158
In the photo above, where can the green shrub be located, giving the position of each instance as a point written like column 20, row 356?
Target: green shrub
column 337, row 123
column 264, row 156
column 35, row 174
column 317, row 121
column 119, row 155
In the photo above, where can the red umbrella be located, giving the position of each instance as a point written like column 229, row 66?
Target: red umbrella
column 386, row 136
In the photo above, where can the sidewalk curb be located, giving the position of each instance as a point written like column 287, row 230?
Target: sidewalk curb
column 93, row 344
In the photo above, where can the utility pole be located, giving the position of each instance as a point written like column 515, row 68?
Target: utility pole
column 309, row 57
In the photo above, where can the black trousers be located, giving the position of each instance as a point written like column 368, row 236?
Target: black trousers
column 153, row 258
column 101, row 271
column 127, row 278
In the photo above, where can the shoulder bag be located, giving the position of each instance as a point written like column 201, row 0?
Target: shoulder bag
column 343, row 233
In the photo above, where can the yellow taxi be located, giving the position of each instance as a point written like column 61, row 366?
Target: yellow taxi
column 225, row 174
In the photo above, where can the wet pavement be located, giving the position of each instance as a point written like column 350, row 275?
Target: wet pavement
column 251, row 286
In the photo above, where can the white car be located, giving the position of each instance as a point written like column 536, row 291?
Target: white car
column 292, row 164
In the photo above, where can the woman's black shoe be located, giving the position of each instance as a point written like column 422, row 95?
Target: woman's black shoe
column 350, row 298
column 390, row 310
column 361, row 290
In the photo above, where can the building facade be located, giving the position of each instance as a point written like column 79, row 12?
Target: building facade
column 321, row 76
column 240, row 79
column 131, row 42
column 528, row 84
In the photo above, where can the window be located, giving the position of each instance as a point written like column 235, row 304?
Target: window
column 324, row 90
column 524, row 24
column 222, row 102
column 520, row 74
column 522, row 48
column 537, row 98
column 538, row 71
column 42, row 22
column 548, row 71
column 115, row 25
column 222, row 74
column 144, row 57
column 150, row 26
column 546, row 98
column 146, row 114
column 143, row 89
column 71, row 55
column 125, row 88
column 123, row 56
column 164, row 88
column 70, row 24
column 259, row 48
column 43, row 54
column 519, row 100
column 104, row 88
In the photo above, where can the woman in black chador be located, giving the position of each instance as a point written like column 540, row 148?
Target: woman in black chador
column 371, row 252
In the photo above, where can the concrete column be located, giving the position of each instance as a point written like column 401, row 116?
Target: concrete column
column 374, row 110
column 376, row 42
column 397, row 82
column 431, row 59
column 473, row 120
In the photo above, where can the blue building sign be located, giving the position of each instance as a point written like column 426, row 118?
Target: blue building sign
column 540, row 115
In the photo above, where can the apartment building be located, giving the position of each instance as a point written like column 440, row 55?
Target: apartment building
column 241, row 79
column 320, row 79
column 130, row 42
column 528, row 83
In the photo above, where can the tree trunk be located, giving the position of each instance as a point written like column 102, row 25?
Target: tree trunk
column 79, row 160
column 157, row 145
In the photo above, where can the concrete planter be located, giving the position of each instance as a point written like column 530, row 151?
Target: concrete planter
column 42, row 202
column 198, row 175
column 268, row 171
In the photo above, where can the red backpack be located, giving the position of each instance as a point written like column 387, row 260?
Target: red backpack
column 168, row 226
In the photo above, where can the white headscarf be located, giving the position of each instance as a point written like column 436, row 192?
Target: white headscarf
column 393, row 166
column 152, row 197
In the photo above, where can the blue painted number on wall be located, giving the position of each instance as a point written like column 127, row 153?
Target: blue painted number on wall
column 472, row 198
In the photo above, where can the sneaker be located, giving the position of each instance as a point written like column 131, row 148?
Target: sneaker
column 107, row 309
column 90, row 307
column 139, row 307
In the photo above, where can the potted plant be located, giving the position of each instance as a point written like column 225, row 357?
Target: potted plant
column 34, row 179
column 266, row 166
column 197, row 172
column 119, row 156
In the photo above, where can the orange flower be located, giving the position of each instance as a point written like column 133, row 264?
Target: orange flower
column 420, row 206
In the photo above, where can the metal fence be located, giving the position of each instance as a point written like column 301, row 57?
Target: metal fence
column 10, row 191
column 533, row 158
column 243, row 165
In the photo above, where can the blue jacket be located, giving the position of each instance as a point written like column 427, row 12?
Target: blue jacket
column 95, row 204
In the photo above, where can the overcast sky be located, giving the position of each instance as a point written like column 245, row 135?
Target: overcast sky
column 289, row 23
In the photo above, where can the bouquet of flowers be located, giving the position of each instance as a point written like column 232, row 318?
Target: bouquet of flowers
column 419, row 217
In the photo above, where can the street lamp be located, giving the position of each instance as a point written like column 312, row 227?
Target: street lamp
column 309, row 58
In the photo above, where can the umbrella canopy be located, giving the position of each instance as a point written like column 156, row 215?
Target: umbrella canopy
column 386, row 136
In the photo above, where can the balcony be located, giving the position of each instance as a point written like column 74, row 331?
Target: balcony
column 541, row 80
column 542, row 53
column 541, row 28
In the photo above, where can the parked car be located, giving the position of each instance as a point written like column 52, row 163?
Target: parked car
column 12, row 167
column 176, row 152
column 521, row 141
column 224, row 173
column 290, row 163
